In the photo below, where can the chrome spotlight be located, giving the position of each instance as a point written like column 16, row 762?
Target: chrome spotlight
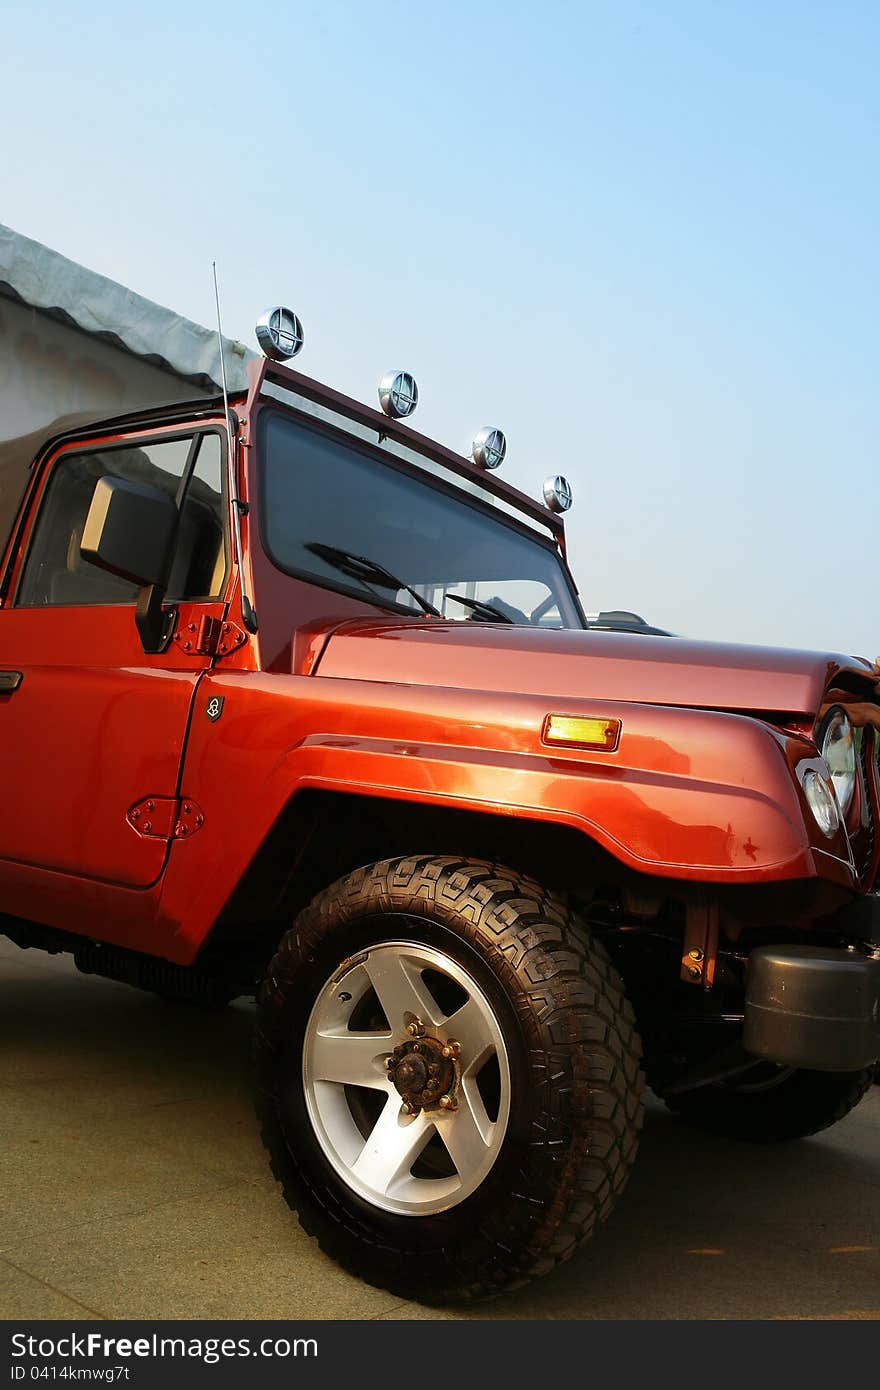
column 557, row 494
column 279, row 333
column 489, row 448
column 398, row 394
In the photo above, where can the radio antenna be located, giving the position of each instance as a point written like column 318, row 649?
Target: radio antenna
column 239, row 508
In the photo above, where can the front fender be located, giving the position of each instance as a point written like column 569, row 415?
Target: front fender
column 687, row 794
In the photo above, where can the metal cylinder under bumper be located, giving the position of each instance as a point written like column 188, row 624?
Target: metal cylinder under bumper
column 813, row 1007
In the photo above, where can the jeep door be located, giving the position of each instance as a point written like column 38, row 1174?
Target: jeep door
column 91, row 725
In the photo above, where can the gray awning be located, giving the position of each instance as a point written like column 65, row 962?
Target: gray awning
column 44, row 280
column 75, row 346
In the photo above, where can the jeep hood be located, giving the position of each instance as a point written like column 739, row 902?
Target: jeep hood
column 585, row 665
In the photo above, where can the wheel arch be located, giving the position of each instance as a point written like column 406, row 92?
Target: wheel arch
column 321, row 835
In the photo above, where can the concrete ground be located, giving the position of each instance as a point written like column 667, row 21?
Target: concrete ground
column 133, row 1185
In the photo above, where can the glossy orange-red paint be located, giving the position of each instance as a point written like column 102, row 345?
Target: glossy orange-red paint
column 333, row 693
column 606, row 665
column 688, row 794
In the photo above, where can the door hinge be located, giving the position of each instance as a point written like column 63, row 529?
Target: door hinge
column 166, row 818
column 209, row 637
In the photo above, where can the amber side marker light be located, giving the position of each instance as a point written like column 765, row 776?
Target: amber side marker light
column 578, row 732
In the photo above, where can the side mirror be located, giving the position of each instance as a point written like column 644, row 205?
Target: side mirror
column 130, row 531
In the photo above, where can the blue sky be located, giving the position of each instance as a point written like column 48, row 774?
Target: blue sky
column 641, row 238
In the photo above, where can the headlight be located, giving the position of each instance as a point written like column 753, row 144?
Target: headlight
column 821, row 802
column 837, row 746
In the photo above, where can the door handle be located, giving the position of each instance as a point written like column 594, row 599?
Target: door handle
column 9, row 682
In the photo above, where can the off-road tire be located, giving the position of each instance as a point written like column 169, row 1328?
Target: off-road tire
column 804, row 1103
column 576, row 1082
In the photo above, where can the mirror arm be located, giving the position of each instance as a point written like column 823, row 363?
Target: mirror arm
column 154, row 623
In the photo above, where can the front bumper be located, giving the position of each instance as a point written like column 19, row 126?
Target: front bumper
column 813, row 1007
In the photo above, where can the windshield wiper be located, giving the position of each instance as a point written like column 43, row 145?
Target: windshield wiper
column 485, row 611
column 367, row 571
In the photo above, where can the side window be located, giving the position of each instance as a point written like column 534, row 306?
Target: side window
column 55, row 573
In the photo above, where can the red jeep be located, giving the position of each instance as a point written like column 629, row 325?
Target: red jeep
column 296, row 702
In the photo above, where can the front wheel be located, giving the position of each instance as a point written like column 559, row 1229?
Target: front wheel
column 448, row 1076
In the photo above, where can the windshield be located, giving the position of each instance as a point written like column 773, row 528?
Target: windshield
column 333, row 512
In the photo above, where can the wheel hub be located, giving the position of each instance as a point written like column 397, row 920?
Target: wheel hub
column 424, row 1071
column 425, row 1082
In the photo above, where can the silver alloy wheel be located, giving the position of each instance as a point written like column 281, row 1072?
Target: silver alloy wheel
column 376, row 1146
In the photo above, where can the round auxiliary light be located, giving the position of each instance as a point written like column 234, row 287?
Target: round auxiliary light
column 398, row 394
column 489, row 448
column 557, row 494
column 279, row 333
column 837, row 746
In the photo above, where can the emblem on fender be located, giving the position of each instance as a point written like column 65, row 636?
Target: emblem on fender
column 214, row 707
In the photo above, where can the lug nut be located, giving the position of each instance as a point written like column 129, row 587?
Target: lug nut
column 409, row 1109
column 448, row 1102
column 415, row 1029
column 389, row 1064
column 450, row 1049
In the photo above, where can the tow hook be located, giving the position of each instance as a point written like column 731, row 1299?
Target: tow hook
column 425, row 1070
